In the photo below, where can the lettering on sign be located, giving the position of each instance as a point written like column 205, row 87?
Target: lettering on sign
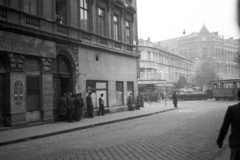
column 27, row 45
column 18, row 92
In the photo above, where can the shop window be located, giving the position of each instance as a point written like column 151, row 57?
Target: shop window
column 101, row 22
column 119, row 93
column 97, row 88
column 61, row 7
column 130, row 89
column 84, row 15
column 31, row 7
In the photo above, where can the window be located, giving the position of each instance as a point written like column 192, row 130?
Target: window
column 84, row 15
column 30, row 6
column 128, row 40
column 61, row 6
column 101, row 22
column 119, row 93
column 97, row 88
column 115, row 27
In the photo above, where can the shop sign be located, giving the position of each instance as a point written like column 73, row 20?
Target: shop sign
column 18, row 92
column 17, row 43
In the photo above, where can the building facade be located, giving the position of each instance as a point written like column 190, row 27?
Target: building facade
column 51, row 47
column 205, row 46
column 160, row 67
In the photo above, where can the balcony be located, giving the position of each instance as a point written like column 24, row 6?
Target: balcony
column 30, row 20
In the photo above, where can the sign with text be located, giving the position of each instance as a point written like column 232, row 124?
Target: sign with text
column 26, row 45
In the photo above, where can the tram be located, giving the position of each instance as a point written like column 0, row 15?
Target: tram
column 223, row 89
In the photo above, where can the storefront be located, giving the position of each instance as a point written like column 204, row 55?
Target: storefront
column 33, row 75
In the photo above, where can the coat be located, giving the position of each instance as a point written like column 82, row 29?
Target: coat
column 130, row 102
column 70, row 103
column 78, row 105
column 232, row 117
column 89, row 104
column 139, row 101
column 174, row 98
column 63, row 107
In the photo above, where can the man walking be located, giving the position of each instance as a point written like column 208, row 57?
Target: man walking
column 89, row 105
column 101, row 105
column 232, row 117
column 175, row 99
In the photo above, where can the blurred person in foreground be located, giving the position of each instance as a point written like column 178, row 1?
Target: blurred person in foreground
column 232, row 117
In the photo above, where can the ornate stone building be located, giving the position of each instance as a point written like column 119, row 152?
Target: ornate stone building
column 160, row 67
column 50, row 47
column 205, row 46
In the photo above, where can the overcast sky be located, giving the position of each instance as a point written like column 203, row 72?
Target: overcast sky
column 165, row 19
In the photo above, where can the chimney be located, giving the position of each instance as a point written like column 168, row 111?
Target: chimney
column 148, row 39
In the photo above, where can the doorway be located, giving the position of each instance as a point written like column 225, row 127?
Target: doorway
column 62, row 80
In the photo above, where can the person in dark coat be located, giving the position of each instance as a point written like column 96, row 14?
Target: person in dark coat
column 63, row 108
column 70, row 107
column 78, row 105
column 130, row 102
column 142, row 100
column 139, row 101
column 175, row 99
column 101, row 105
column 232, row 117
column 89, row 105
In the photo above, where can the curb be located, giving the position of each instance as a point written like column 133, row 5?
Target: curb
column 79, row 128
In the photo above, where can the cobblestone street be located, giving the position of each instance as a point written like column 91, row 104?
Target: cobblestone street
column 188, row 133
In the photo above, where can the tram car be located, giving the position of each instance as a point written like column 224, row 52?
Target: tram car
column 223, row 89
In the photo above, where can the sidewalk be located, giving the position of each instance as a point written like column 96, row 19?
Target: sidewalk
column 34, row 132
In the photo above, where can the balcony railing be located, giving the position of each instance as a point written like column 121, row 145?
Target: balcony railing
column 30, row 20
column 62, row 28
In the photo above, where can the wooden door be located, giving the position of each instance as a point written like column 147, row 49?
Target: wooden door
column 56, row 97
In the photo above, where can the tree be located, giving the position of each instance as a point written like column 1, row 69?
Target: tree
column 205, row 73
column 182, row 82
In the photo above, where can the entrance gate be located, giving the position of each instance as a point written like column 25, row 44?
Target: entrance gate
column 62, row 80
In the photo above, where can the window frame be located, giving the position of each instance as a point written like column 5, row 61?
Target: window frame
column 62, row 19
column 128, row 32
column 102, row 29
column 30, row 7
column 116, row 33
column 82, row 11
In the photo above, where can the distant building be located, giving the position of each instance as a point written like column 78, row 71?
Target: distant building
column 51, row 47
column 160, row 67
column 211, row 47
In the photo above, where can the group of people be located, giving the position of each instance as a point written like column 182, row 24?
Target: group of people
column 140, row 101
column 71, row 107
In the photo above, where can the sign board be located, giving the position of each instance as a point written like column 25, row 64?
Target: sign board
column 26, row 45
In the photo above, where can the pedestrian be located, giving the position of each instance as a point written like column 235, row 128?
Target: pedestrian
column 70, row 107
column 139, row 101
column 162, row 95
column 89, row 106
column 63, row 108
column 130, row 102
column 232, row 117
column 142, row 100
column 78, row 105
column 175, row 99
column 101, row 105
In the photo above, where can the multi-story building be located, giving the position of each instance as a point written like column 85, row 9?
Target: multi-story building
column 160, row 67
column 50, row 47
column 211, row 47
